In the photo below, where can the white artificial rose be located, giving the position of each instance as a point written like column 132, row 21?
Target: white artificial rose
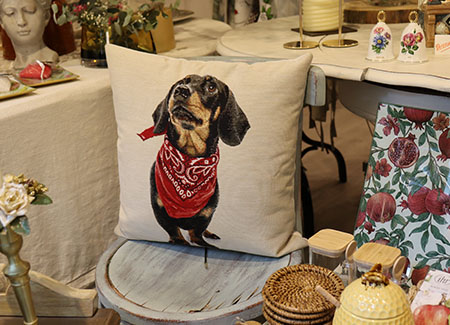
column 14, row 201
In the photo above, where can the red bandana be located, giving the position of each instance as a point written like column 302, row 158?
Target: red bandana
column 185, row 184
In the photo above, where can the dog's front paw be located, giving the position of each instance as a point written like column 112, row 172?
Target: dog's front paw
column 210, row 235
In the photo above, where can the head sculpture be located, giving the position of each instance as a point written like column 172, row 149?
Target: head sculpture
column 24, row 21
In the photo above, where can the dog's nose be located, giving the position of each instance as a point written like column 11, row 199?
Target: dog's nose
column 182, row 91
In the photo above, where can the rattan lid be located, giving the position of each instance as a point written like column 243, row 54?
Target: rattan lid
column 292, row 289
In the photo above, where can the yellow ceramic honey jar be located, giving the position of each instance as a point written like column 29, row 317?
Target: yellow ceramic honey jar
column 373, row 299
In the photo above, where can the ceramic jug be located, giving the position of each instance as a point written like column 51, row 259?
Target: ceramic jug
column 412, row 42
column 380, row 41
column 373, row 300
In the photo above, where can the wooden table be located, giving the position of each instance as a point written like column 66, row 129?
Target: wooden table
column 361, row 83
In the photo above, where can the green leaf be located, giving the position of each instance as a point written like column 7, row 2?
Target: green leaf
column 434, row 174
column 437, row 234
column 20, row 225
column 444, row 170
column 422, row 217
column 436, row 265
column 380, row 155
column 400, row 220
column 400, row 233
column 422, row 139
column 434, row 146
column 408, row 243
column 431, row 132
column 117, row 28
column 421, row 160
column 440, row 249
column 424, row 240
column 42, row 199
column 439, row 219
column 432, row 254
column 396, row 177
column 403, row 189
column 419, row 229
column 421, row 264
column 415, row 47
column 394, row 223
column 365, row 237
column 127, row 19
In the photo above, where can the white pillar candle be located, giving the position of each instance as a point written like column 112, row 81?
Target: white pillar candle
column 320, row 15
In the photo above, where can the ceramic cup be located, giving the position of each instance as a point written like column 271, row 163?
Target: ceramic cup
column 380, row 41
column 412, row 42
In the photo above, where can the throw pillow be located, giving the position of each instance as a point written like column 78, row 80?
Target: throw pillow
column 207, row 150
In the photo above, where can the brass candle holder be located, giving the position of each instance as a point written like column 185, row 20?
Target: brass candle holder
column 301, row 44
column 17, row 273
column 340, row 42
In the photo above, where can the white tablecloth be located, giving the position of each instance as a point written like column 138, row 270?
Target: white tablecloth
column 65, row 136
column 266, row 39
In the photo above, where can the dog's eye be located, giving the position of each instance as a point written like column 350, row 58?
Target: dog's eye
column 211, row 88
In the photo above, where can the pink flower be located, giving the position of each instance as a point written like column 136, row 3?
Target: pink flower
column 404, row 205
column 387, row 35
column 382, row 168
column 409, row 39
column 419, row 37
column 390, row 123
column 79, row 8
column 368, row 226
column 379, row 30
column 360, row 218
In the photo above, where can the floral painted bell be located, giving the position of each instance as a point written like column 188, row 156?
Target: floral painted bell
column 412, row 42
column 380, row 41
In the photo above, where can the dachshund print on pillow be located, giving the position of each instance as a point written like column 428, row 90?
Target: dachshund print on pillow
column 184, row 189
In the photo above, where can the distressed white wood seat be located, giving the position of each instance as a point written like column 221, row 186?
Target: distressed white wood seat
column 155, row 283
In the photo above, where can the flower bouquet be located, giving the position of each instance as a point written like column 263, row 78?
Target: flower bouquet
column 125, row 26
column 16, row 195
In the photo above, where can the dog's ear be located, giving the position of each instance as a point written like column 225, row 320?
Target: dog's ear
column 233, row 123
column 161, row 114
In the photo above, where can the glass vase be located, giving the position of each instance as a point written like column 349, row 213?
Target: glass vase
column 93, row 40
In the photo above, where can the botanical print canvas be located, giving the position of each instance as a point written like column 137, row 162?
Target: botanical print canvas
column 406, row 197
column 184, row 190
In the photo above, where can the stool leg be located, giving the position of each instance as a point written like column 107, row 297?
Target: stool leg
column 307, row 207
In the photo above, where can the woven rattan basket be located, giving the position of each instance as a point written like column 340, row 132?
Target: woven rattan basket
column 290, row 297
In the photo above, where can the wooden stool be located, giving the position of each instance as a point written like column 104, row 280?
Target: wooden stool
column 155, row 283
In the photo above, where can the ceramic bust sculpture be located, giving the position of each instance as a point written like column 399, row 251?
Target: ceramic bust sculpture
column 24, row 21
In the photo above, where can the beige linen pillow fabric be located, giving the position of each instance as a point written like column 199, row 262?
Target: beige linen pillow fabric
column 255, row 211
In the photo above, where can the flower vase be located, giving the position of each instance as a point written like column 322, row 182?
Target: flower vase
column 17, row 273
column 93, row 40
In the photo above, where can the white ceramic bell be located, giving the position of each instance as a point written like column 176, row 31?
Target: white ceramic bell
column 412, row 42
column 380, row 41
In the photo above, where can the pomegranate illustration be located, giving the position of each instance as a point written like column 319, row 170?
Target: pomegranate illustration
column 381, row 207
column 444, row 146
column 418, row 116
column 419, row 274
column 437, row 202
column 403, row 152
column 432, row 314
column 416, row 201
